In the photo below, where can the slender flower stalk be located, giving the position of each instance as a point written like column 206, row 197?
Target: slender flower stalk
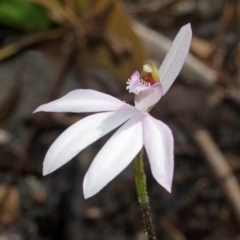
column 141, row 186
column 137, row 128
column 140, row 179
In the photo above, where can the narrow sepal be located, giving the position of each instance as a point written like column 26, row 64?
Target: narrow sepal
column 84, row 100
column 158, row 142
column 80, row 135
column 175, row 58
column 115, row 156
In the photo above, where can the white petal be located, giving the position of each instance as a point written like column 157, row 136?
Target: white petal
column 80, row 135
column 175, row 58
column 84, row 100
column 148, row 98
column 115, row 156
column 158, row 142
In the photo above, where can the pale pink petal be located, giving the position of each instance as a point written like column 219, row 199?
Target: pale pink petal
column 115, row 156
column 135, row 84
column 135, row 76
column 80, row 135
column 158, row 142
column 145, row 99
column 175, row 58
column 84, row 100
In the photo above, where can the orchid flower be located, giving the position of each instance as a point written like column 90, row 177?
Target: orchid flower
column 137, row 127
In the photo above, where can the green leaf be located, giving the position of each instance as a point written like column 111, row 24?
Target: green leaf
column 21, row 14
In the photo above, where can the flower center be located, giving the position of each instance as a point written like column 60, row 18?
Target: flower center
column 150, row 74
column 149, row 77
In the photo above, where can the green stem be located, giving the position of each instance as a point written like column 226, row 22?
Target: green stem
column 141, row 186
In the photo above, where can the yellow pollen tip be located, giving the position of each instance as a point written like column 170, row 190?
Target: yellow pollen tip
column 147, row 68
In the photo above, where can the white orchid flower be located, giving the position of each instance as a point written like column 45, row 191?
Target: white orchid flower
column 137, row 129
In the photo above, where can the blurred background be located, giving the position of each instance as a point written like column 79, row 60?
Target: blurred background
column 50, row 47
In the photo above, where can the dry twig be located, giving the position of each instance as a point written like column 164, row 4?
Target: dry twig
column 217, row 163
column 35, row 38
column 220, row 168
